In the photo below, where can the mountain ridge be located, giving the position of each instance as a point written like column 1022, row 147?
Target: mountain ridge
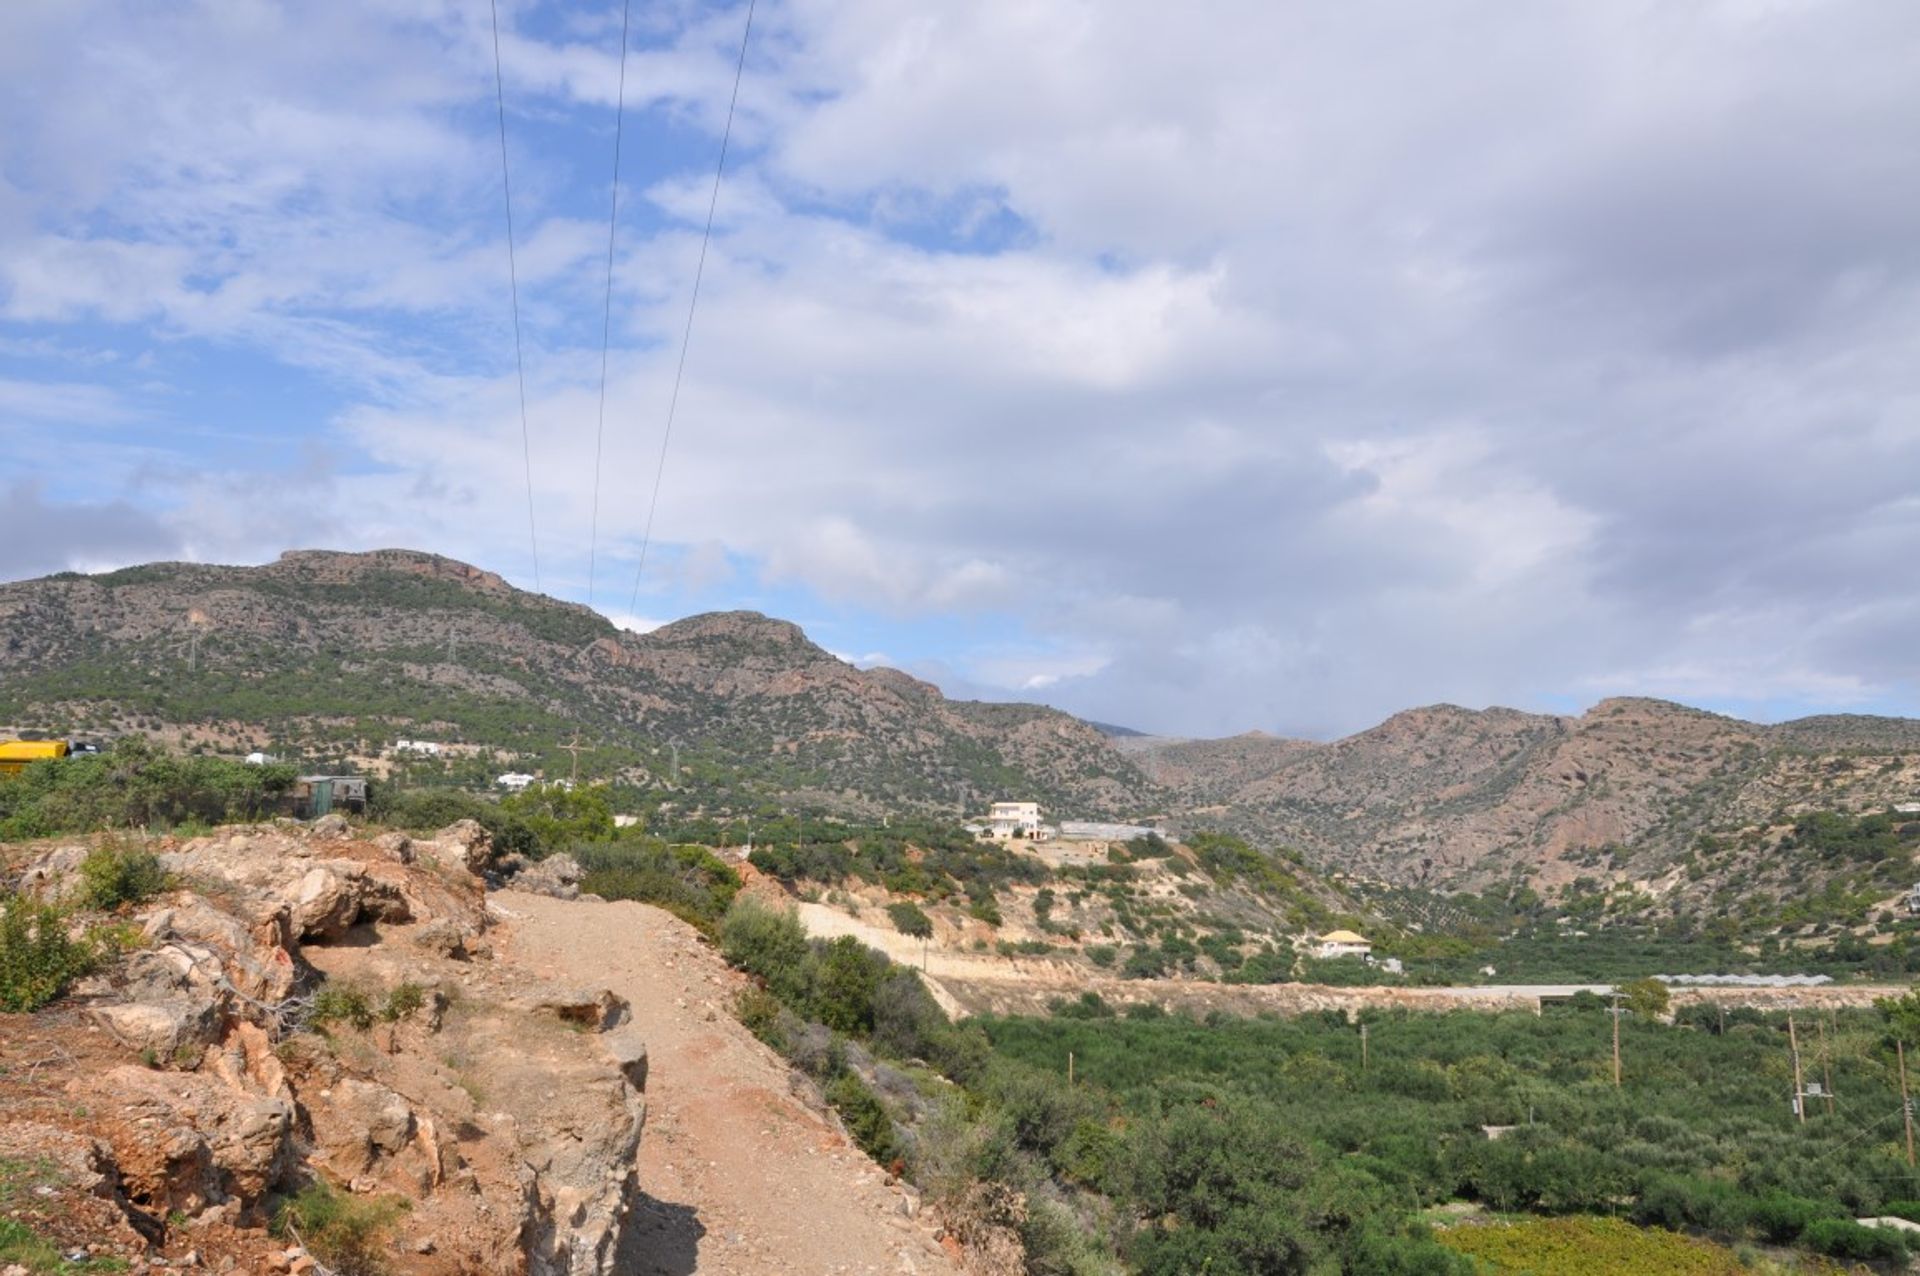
column 335, row 654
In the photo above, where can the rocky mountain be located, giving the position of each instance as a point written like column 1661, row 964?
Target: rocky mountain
column 1450, row 796
column 334, row 655
column 326, row 654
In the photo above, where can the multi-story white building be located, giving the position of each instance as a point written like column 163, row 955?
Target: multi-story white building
column 1014, row 819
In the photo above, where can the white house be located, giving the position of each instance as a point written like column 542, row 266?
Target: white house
column 515, row 781
column 1014, row 819
column 427, row 748
column 1342, row 943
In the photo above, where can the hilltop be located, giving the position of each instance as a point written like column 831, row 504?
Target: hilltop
column 331, row 656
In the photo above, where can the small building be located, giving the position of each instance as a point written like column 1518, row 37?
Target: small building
column 425, row 748
column 515, row 781
column 1014, row 819
column 313, row 796
column 1341, row 943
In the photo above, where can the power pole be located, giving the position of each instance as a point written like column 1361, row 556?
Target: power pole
column 1799, row 1091
column 1363, row 1047
column 1906, row 1104
column 451, row 640
column 574, row 749
column 1826, row 1065
column 1616, row 1038
column 1069, row 1067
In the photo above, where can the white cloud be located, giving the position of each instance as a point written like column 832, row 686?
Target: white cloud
column 1280, row 369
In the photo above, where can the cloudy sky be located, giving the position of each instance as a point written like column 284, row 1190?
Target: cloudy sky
column 1193, row 367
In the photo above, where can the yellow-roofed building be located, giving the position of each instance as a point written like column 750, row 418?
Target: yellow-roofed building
column 1342, row 943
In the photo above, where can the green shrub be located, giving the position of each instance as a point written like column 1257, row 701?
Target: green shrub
column 769, row 944
column 1781, row 1218
column 347, row 1004
column 38, row 961
column 347, row 1233
column 114, row 874
column 1844, row 1238
column 403, row 1001
column 865, row 1117
column 911, row 920
column 688, row 881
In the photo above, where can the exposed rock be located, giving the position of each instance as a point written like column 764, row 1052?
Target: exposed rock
column 55, row 876
column 464, row 844
column 594, row 1008
column 445, row 938
column 629, row 1054
column 397, row 846
column 200, row 1142
column 556, row 875
column 331, row 826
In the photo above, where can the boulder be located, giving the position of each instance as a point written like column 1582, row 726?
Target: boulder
column 359, row 1124
column 445, row 938
column 556, row 875
column 199, row 1142
column 326, row 902
column 464, row 844
column 331, row 826
column 398, row 847
column 597, row 1009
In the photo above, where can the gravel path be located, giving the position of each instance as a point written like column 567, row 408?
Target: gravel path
column 741, row 1176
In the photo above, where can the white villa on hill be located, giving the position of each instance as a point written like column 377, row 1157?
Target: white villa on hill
column 1342, row 943
column 1014, row 819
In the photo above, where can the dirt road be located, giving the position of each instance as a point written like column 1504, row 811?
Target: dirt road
column 741, row 1177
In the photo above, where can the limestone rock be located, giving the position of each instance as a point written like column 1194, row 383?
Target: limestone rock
column 464, row 844
column 201, row 1143
column 629, row 1054
column 331, row 826
column 557, row 875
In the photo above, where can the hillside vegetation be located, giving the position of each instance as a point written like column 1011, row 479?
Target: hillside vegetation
column 328, row 658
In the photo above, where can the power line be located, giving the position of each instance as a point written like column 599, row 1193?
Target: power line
column 606, row 315
column 513, row 282
column 686, row 336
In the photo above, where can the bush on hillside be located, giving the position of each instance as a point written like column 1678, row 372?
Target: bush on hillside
column 769, row 944
column 114, row 874
column 38, row 960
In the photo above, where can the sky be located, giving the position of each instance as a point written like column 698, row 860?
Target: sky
column 1196, row 368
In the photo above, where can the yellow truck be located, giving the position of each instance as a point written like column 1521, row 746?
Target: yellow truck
column 17, row 755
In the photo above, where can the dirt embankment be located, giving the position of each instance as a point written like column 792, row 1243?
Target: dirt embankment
column 743, row 1171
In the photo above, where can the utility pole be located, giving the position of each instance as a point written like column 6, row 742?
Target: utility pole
column 1826, row 1065
column 1799, row 1091
column 1069, row 1067
column 1906, row 1104
column 1363, row 1047
column 450, row 644
column 574, row 749
column 1616, row 1040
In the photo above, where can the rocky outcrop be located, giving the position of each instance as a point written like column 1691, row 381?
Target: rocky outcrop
column 557, row 875
column 305, row 1004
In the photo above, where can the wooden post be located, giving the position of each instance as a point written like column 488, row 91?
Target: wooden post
column 1616, row 1039
column 1363, row 1047
column 1906, row 1104
column 1799, row 1090
column 1069, row 1067
column 1826, row 1065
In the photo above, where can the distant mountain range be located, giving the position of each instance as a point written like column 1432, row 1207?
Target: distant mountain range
column 333, row 655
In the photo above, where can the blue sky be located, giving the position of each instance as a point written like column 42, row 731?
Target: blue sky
column 1276, row 371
